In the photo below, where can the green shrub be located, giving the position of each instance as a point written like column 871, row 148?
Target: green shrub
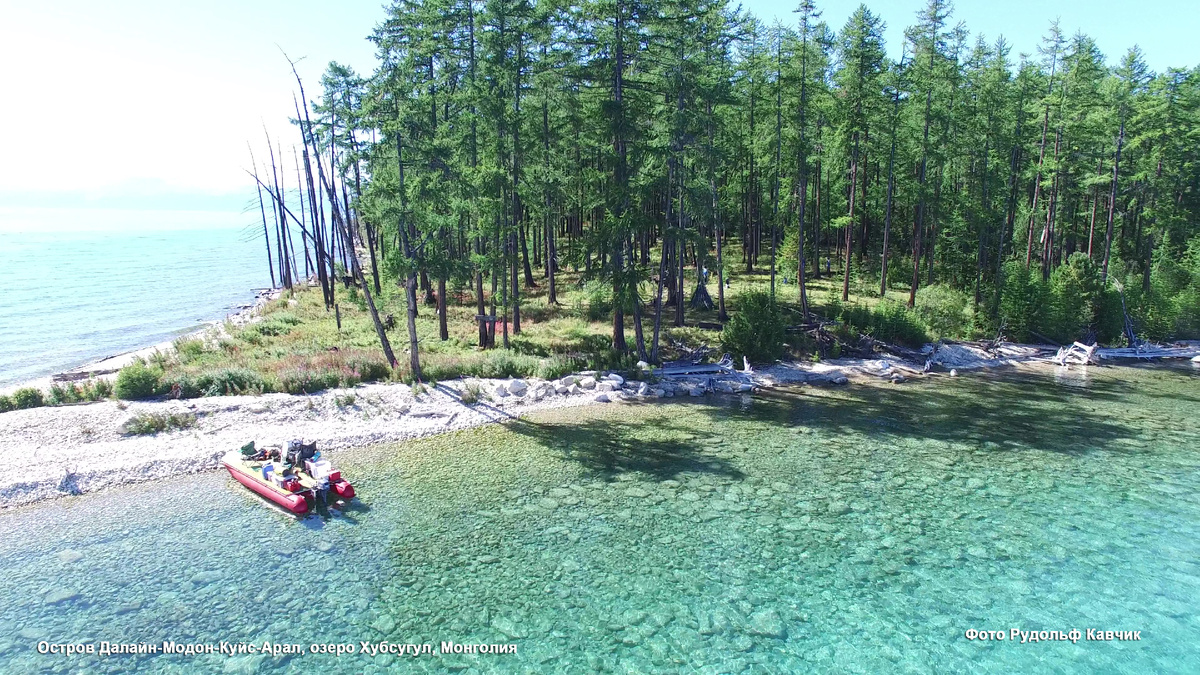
column 1075, row 295
column 228, row 382
column 555, row 367
column 888, row 321
column 597, row 303
column 145, row 423
column 101, row 389
column 89, row 390
column 137, row 381
column 6, row 404
column 756, row 330
column 472, row 393
column 304, row 380
column 947, row 312
column 189, row 348
column 60, row 394
column 1022, row 301
column 28, row 397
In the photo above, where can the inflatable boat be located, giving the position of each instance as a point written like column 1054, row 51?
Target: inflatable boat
column 295, row 478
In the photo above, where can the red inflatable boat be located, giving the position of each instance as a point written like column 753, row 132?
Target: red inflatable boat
column 296, row 479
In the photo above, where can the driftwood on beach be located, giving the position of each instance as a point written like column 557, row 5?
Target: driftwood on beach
column 1081, row 354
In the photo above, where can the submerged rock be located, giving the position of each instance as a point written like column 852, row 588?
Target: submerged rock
column 385, row 624
column 838, row 508
column 207, row 577
column 60, row 595
column 766, row 623
column 69, row 556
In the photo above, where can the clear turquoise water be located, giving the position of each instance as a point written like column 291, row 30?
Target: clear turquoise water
column 857, row 530
column 73, row 297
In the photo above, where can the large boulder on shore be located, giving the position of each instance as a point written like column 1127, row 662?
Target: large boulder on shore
column 606, row 385
column 517, row 387
column 615, row 378
column 588, row 383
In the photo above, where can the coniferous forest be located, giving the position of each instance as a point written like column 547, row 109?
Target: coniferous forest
column 650, row 151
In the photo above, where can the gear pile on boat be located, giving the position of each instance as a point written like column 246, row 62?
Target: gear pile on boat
column 295, row 477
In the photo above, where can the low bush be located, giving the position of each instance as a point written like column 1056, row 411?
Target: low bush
column 220, row 382
column 555, row 367
column 101, row 390
column 947, row 312
column 190, row 348
column 145, row 423
column 472, row 393
column 6, row 404
column 304, row 380
column 60, row 394
column 889, row 322
column 756, row 330
column 89, row 390
column 137, row 381
column 28, row 397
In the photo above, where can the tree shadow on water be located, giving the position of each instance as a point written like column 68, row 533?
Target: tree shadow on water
column 654, row 444
column 1015, row 413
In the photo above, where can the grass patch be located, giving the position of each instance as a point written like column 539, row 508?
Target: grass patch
column 145, row 423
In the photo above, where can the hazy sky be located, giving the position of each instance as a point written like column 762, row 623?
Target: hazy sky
column 150, row 103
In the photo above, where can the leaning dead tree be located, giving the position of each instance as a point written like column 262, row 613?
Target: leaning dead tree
column 339, row 222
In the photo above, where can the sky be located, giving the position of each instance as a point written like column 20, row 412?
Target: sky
column 140, row 104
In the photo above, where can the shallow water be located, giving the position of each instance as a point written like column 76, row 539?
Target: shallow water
column 858, row 529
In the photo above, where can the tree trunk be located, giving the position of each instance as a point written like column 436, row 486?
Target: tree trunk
column 1112, row 202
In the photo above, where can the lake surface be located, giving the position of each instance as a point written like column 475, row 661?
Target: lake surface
column 860, row 529
column 72, row 297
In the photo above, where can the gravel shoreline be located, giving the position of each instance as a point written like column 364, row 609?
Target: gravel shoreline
column 59, row 451
column 52, row 452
